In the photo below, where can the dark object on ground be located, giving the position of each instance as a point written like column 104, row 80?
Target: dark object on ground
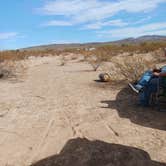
column 83, row 152
column 105, row 77
column 5, row 73
column 125, row 104
column 1, row 75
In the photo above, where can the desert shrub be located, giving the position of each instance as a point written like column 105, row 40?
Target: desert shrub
column 97, row 56
column 159, row 56
column 103, row 51
column 112, row 70
column 62, row 60
column 9, row 69
column 24, row 54
column 106, row 52
column 95, row 65
column 93, row 60
column 131, row 68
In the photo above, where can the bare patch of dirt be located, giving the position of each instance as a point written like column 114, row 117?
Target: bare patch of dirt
column 55, row 104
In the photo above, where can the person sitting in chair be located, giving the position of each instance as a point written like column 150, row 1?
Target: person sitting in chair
column 148, row 84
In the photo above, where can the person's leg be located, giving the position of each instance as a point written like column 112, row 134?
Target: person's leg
column 150, row 88
column 142, row 82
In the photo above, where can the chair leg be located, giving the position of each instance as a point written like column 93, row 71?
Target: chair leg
column 152, row 101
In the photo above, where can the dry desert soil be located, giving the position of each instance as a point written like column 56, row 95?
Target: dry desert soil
column 60, row 116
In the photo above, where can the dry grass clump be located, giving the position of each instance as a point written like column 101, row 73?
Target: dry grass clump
column 96, row 57
column 11, row 69
column 126, row 61
column 103, row 52
column 143, row 47
column 94, row 61
column 160, row 56
column 106, row 52
column 24, row 54
column 10, row 61
column 7, row 69
column 64, row 57
column 130, row 62
column 62, row 60
column 132, row 67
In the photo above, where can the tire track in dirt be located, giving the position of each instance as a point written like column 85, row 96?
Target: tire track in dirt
column 57, row 103
column 60, row 91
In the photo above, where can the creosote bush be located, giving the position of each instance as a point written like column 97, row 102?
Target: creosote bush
column 24, row 54
column 62, row 60
column 133, row 67
column 10, row 69
column 94, row 61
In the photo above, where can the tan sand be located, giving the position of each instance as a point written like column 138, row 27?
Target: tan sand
column 53, row 104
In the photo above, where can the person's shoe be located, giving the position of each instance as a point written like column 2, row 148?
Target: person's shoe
column 138, row 87
column 134, row 88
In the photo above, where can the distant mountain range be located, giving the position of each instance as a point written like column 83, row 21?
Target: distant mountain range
column 148, row 38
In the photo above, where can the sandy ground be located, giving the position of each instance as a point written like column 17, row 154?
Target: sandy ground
column 52, row 104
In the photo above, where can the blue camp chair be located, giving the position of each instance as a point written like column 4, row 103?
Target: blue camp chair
column 159, row 98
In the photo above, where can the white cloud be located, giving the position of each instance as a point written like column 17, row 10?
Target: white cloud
column 142, row 20
column 99, row 24
column 64, row 41
column 7, row 35
column 83, row 11
column 148, row 29
column 57, row 23
column 113, row 23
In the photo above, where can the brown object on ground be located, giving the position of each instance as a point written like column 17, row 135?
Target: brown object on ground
column 105, row 77
column 83, row 152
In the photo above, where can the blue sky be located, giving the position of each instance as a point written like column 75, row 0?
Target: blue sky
column 34, row 22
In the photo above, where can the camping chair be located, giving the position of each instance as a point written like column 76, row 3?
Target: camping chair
column 159, row 98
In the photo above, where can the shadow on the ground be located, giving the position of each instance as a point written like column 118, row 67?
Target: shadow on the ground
column 111, row 83
column 83, row 152
column 125, row 104
column 81, row 71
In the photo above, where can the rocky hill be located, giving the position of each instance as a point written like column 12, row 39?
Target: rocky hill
column 148, row 38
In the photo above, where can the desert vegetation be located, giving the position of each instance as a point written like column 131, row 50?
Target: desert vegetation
column 16, row 55
column 103, row 52
column 130, row 66
column 58, row 95
column 126, row 61
column 10, row 65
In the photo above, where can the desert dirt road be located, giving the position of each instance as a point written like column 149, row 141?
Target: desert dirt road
column 52, row 104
